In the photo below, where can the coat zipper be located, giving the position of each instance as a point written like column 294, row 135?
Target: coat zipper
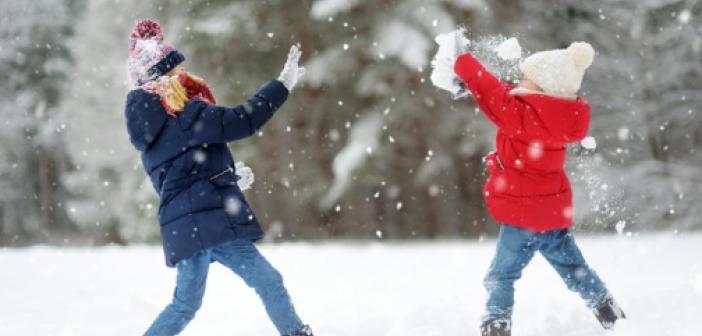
column 228, row 170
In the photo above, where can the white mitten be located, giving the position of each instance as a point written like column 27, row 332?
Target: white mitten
column 451, row 45
column 246, row 176
column 292, row 71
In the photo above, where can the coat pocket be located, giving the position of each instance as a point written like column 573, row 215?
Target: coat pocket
column 237, row 209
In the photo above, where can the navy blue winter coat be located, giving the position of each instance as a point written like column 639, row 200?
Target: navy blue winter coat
column 192, row 169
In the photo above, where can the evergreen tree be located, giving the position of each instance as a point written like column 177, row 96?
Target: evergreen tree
column 35, row 62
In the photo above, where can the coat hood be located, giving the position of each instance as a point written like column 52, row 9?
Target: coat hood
column 146, row 118
column 567, row 120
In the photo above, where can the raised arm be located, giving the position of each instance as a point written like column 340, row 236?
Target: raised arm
column 536, row 116
column 491, row 94
column 206, row 123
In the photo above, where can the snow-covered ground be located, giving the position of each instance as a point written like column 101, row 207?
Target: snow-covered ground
column 407, row 289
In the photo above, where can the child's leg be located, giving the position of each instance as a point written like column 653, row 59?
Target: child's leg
column 187, row 297
column 515, row 248
column 563, row 254
column 242, row 257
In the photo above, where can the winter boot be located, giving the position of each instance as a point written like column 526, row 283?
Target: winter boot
column 304, row 331
column 496, row 328
column 608, row 313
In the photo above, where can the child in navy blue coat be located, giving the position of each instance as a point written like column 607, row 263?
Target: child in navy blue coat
column 182, row 135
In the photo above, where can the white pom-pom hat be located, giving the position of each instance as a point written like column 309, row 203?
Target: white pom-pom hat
column 559, row 72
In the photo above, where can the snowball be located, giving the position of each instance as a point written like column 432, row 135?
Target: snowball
column 623, row 133
column 442, row 75
column 535, row 150
column 509, row 49
column 500, row 183
column 589, row 143
column 581, row 273
column 199, row 156
column 434, row 190
column 568, row 212
column 327, row 8
column 246, row 176
column 334, row 135
column 232, row 206
column 684, row 16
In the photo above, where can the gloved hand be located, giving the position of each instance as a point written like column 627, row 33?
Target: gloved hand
column 292, row 71
column 451, row 45
column 246, row 176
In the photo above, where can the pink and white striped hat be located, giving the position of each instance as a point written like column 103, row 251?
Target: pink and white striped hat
column 149, row 56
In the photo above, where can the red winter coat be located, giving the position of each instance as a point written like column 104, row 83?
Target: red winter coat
column 527, row 187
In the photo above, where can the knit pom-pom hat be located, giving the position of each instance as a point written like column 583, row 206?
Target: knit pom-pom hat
column 149, row 56
column 559, row 72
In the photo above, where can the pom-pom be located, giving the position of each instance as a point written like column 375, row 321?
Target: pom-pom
column 146, row 29
column 582, row 53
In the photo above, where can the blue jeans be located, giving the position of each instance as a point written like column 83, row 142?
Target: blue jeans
column 516, row 247
column 244, row 259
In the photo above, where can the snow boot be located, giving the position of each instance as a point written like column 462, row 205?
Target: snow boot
column 496, row 328
column 304, row 331
column 608, row 313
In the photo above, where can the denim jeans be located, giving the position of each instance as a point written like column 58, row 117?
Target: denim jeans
column 516, row 247
column 244, row 259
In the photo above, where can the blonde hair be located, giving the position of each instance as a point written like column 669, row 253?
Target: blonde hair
column 172, row 91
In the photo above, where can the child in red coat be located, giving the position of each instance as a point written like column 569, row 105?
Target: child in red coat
column 528, row 190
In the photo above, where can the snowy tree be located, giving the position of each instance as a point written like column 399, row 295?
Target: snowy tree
column 111, row 199
column 644, row 89
column 366, row 147
column 35, row 62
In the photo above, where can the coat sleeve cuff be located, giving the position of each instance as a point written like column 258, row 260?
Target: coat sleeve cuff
column 467, row 67
column 479, row 80
column 275, row 93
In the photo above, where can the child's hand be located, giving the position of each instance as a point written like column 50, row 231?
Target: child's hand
column 246, row 176
column 451, row 45
column 292, row 71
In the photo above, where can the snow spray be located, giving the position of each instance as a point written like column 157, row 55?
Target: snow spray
column 499, row 54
